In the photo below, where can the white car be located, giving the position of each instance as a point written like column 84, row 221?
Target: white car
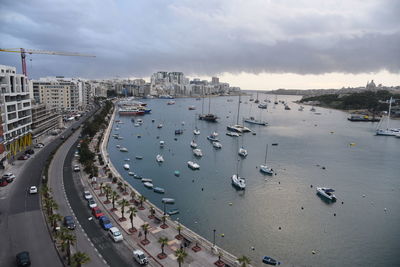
column 33, row 190
column 77, row 168
column 140, row 257
column 39, row 145
column 115, row 234
column 92, row 204
column 87, row 195
column 9, row 177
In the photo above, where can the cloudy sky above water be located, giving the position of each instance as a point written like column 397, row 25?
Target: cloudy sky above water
column 255, row 44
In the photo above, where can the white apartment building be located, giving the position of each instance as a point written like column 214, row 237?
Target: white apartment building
column 16, row 117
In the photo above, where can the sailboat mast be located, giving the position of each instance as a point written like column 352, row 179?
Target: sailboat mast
column 266, row 152
column 209, row 102
column 390, row 108
column 202, row 104
column 237, row 119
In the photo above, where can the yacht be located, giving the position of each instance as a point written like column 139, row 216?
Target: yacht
column 252, row 120
column 193, row 144
column 217, row 145
column 148, row 184
column 193, row 165
column 197, row 152
column 126, row 166
column 238, row 128
column 388, row 131
column 159, row 158
column 232, row 134
column 242, row 152
column 238, row 182
column 326, row 192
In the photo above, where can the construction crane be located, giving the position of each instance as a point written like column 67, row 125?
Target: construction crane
column 24, row 51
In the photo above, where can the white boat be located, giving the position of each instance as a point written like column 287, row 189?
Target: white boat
column 147, row 180
column 388, row 131
column 193, row 165
column 159, row 126
column 171, row 102
column 183, row 123
column 214, row 134
column 301, row 108
column 148, row 185
column 326, row 192
column 312, row 109
column 217, row 145
column 193, row 144
column 211, row 138
column 238, row 182
column 131, row 173
column 197, row 152
column 126, row 166
column 252, row 120
column 162, row 143
column 242, row 152
column 196, row 131
column 118, row 146
column 264, row 167
column 123, row 149
column 136, row 125
column 233, row 134
column 140, row 121
column 159, row 158
column 238, row 128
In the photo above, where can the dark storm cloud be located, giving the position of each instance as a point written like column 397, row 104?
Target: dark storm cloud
column 136, row 38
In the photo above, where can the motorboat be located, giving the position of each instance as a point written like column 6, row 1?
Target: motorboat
column 301, row 108
column 312, row 109
column 262, row 106
column 214, row 134
column 127, row 159
column 148, row 184
column 217, row 145
column 159, row 158
column 162, row 143
column 252, row 120
column 159, row 126
column 196, row 131
column 159, row 190
column 197, row 152
column 327, row 193
column 126, row 166
column 123, row 149
column 136, row 176
column 270, row 261
column 192, row 108
column 118, row 146
column 138, row 157
column 193, row 165
column 238, row 128
column 172, row 211
column 242, row 152
column 177, row 173
column 287, row 107
column 238, row 182
column 179, row 131
column 212, row 138
column 120, row 138
column 147, row 180
column 131, row 173
column 136, row 125
column 208, row 117
column 233, row 134
column 193, row 144
column 183, row 123
column 171, row 102
column 167, row 200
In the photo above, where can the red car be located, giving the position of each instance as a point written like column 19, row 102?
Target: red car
column 96, row 212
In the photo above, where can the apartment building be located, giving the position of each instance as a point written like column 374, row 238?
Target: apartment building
column 16, row 117
column 44, row 121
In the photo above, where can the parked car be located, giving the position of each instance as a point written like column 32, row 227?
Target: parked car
column 39, row 145
column 23, row 157
column 77, row 168
column 115, row 234
column 87, row 195
column 91, row 203
column 97, row 213
column 9, row 177
column 23, row 259
column 33, row 190
column 140, row 257
column 30, row 152
column 69, row 222
column 105, row 222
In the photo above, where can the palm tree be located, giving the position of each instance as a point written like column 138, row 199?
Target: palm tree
column 180, row 256
column 133, row 195
column 125, row 187
column 79, row 258
column 132, row 213
column 179, row 228
column 141, row 200
column 45, row 191
column 114, row 196
column 123, row 203
column 67, row 240
column 163, row 241
column 220, row 254
column 50, row 205
column 101, row 188
column 244, row 261
column 145, row 228
column 164, row 218
column 54, row 218
column 107, row 191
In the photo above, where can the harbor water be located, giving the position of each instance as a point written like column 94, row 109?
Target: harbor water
column 280, row 216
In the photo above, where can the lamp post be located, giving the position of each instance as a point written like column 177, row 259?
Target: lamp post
column 164, row 208
column 214, row 238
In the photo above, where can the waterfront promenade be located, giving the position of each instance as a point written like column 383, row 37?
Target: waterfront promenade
column 200, row 252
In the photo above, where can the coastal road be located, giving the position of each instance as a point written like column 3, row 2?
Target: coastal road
column 22, row 224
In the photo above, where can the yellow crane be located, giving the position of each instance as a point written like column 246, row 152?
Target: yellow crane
column 24, row 51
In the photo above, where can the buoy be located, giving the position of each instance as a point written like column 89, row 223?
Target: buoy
column 302, row 208
column 279, row 182
column 323, row 168
column 279, row 228
column 202, row 189
column 311, row 186
column 342, row 202
column 334, row 214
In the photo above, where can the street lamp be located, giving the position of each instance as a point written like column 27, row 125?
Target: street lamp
column 214, row 238
column 164, row 208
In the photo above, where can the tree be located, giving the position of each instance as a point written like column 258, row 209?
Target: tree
column 164, row 218
column 67, row 240
column 179, row 228
column 163, row 241
column 107, row 191
column 180, row 256
column 123, row 203
column 244, row 261
column 145, row 228
column 141, row 200
column 152, row 211
column 50, row 205
column 79, row 258
column 54, row 219
column 125, row 187
column 132, row 213
column 114, row 196
column 133, row 195
column 45, row 191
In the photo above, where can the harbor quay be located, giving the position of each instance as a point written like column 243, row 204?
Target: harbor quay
column 200, row 251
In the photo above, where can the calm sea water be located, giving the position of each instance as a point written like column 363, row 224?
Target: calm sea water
column 280, row 216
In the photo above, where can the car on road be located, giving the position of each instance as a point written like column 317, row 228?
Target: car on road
column 39, row 145
column 23, row 157
column 105, row 222
column 91, row 203
column 33, row 190
column 87, row 195
column 23, row 259
column 76, row 168
column 115, row 234
column 97, row 213
column 9, row 177
column 140, row 257
column 30, row 152
column 62, row 137
column 69, row 222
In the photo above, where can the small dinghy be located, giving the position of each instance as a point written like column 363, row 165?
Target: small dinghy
column 159, row 190
column 270, row 261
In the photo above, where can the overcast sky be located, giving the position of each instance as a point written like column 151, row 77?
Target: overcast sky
column 255, row 44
